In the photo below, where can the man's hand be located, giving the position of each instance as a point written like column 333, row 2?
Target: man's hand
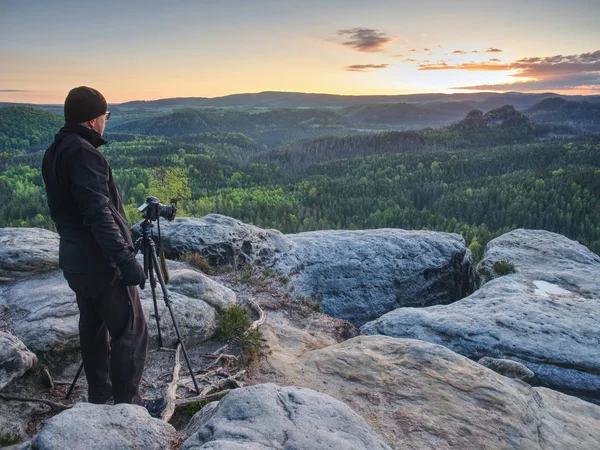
column 132, row 272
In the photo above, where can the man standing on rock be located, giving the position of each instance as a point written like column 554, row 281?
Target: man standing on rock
column 97, row 254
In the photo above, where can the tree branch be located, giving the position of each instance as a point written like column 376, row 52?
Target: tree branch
column 53, row 405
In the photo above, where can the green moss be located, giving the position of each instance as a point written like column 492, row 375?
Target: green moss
column 194, row 407
column 503, row 267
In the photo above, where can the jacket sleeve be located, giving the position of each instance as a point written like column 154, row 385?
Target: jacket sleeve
column 89, row 173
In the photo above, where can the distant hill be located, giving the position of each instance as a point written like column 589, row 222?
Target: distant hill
column 503, row 125
column 25, row 129
column 271, row 128
column 485, row 100
column 409, row 114
column 302, row 154
column 583, row 114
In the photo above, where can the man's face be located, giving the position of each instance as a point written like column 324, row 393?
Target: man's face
column 99, row 124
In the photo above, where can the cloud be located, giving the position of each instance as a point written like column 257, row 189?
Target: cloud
column 535, row 73
column 13, row 90
column 365, row 67
column 459, row 52
column 426, row 49
column 474, row 51
column 493, row 50
column 583, row 82
column 365, row 40
column 472, row 66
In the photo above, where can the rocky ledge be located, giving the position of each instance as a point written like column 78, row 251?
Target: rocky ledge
column 354, row 275
column 545, row 315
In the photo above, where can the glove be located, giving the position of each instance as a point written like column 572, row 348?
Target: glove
column 132, row 272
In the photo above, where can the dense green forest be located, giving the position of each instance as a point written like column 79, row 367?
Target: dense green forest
column 480, row 177
column 26, row 129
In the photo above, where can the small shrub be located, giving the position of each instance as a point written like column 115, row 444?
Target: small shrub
column 197, row 261
column 232, row 322
column 7, row 439
column 200, row 263
column 503, row 267
column 233, row 327
column 284, row 280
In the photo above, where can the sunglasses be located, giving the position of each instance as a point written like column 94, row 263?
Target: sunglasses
column 106, row 115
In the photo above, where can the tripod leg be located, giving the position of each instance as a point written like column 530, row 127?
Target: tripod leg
column 153, row 288
column 168, row 303
column 70, row 391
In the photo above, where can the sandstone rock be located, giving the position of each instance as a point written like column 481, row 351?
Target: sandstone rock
column 474, row 119
column 103, row 427
column 272, row 417
column 360, row 275
column 549, row 257
column 419, row 395
column 44, row 313
column 220, row 240
column 196, row 285
column 506, row 115
column 27, row 251
column 15, row 358
column 544, row 316
column 508, row 368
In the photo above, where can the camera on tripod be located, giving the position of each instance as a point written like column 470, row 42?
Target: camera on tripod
column 153, row 208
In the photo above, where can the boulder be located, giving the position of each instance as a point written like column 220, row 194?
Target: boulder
column 221, row 240
column 45, row 316
column 103, row 427
column 15, row 358
column 360, row 275
column 25, row 252
column 271, row 417
column 545, row 315
column 419, row 395
column 44, row 313
column 546, row 257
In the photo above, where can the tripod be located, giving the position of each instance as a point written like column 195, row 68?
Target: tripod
column 146, row 245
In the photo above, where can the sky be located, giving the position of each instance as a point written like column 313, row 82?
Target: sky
column 145, row 50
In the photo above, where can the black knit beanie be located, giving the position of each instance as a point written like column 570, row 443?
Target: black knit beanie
column 84, row 103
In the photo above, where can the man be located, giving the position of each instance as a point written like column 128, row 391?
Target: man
column 96, row 253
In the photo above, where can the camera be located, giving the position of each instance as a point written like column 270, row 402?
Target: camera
column 153, row 209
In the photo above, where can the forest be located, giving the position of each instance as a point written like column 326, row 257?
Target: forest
column 480, row 176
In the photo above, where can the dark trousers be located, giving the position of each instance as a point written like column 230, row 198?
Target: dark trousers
column 115, row 367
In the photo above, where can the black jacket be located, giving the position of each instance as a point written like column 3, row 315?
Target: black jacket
column 84, row 202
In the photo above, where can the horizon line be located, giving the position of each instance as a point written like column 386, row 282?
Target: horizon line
column 324, row 94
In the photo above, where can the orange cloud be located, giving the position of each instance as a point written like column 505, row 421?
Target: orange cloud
column 536, row 73
column 467, row 66
column 493, row 50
